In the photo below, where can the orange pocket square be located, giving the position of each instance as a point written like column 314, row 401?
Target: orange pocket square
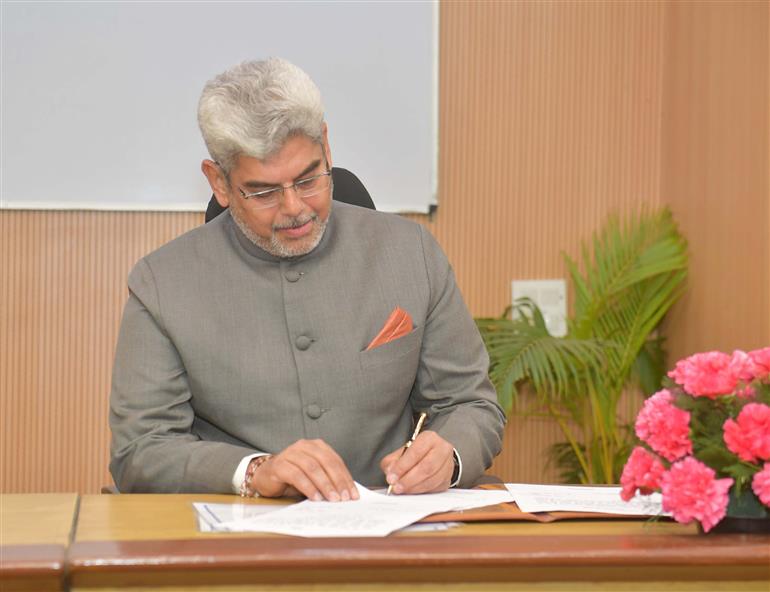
column 399, row 323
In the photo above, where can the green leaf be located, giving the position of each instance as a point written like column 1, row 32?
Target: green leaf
column 627, row 276
column 522, row 350
column 740, row 471
column 562, row 456
column 650, row 365
column 762, row 393
column 715, row 456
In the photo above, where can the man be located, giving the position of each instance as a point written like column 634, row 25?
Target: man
column 242, row 362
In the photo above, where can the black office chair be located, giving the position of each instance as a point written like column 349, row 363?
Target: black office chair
column 347, row 188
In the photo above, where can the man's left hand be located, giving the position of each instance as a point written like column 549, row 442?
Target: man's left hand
column 426, row 466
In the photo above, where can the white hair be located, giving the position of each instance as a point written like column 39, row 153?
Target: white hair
column 251, row 109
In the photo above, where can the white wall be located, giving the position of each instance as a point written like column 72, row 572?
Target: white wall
column 99, row 99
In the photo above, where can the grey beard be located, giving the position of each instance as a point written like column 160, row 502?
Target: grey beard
column 273, row 245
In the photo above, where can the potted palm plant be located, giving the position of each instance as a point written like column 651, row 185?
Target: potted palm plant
column 628, row 277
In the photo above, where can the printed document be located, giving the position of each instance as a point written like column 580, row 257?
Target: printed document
column 210, row 516
column 374, row 514
column 581, row 498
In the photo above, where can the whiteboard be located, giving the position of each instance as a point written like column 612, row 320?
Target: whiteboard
column 99, row 99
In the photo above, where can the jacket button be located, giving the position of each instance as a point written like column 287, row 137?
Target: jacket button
column 293, row 276
column 303, row 342
column 313, row 411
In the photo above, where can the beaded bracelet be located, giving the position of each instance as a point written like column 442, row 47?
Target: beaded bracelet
column 246, row 490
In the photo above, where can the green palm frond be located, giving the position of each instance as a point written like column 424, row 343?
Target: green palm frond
column 650, row 365
column 522, row 350
column 632, row 277
column 562, row 456
column 629, row 276
column 625, row 256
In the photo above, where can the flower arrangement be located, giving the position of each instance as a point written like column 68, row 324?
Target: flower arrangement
column 705, row 439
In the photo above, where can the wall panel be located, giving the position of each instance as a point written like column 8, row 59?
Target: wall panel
column 63, row 282
column 550, row 117
column 716, row 170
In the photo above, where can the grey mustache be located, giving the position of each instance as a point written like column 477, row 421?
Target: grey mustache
column 296, row 223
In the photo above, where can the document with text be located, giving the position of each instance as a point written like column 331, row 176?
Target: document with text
column 582, row 498
column 211, row 516
column 374, row 514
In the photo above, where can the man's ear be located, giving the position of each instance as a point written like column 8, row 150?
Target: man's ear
column 217, row 181
column 327, row 150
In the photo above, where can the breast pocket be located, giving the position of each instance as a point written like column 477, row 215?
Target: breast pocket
column 388, row 371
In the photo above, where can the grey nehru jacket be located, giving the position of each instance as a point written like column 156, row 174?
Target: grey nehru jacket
column 225, row 350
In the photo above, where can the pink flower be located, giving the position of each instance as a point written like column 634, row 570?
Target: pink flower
column 761, row 359
column 761, row 485
column 749, row 436
column 709, row 374
column 690, row 492
column 643, row 471
column 742, row 366
column 746, row 392
column 664, row 427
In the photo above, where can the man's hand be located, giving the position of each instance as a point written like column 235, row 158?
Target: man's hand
column 307, row 467
column 426, row 466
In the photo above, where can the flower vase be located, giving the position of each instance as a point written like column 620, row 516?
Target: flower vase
column 745, row 514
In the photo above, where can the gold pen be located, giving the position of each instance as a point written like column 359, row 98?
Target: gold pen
column 416, row 432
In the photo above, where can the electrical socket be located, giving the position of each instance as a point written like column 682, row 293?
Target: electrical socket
column 550, row 297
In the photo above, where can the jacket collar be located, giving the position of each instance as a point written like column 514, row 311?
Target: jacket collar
column 254, row 251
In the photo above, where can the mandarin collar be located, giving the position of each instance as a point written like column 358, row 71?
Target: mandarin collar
column 254, row 251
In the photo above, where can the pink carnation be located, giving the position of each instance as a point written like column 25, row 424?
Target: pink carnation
column 690, row 492
column 709, row 374
column 746, row 392
column 761, row 359
column 643, row 471
column 664, row 427
column 761, row 485
column 749, row 436
column 742, row 366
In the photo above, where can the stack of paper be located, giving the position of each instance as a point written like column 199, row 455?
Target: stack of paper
column 581, row 498
column 373, row 514
column 376, row 514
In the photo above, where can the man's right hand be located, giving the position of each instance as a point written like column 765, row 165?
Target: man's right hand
column 307, row 467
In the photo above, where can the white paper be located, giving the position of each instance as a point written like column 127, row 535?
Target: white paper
column 211, row 516
column 373, row 514
column 579, row 498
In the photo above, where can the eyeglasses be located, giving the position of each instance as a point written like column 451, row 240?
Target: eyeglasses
column 304, row 188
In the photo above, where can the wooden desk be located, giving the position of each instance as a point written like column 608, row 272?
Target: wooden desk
column 35, row 530
column 151, row 542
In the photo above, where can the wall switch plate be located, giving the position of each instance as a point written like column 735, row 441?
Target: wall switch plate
column 550, row 296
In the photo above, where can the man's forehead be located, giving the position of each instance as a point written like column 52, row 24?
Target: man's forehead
column 293, row 160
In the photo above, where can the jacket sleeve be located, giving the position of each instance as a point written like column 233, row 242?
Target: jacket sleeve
column 452, row 379
column 154, row 447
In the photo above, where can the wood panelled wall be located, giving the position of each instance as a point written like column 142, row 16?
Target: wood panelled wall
column 716, row 170
column 63, row 282
column 549, row 119
column 552, row 114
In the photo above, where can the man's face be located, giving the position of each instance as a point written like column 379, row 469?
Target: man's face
column 294, row 226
